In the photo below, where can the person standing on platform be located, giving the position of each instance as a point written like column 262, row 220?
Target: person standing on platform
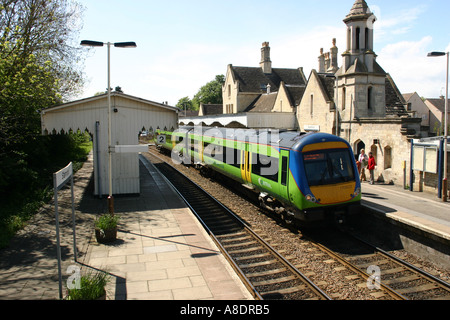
column 363, row 160
column 371, row 166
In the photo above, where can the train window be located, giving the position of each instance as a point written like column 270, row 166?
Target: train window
column 214, row 151
column 328, row 167
column 265, row 166
column 284, row 170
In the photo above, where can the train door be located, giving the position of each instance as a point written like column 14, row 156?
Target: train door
column 246, row 161
column 284, row 173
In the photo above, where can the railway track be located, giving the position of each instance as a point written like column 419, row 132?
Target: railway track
column 385, row 272
column 364, row 265
column 266, row 273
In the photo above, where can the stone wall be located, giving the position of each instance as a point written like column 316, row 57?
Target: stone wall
column 391, row 149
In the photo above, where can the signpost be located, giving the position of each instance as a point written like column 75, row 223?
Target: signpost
column 60, row 179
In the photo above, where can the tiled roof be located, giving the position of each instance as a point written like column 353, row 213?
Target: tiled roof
column 212, row 109
column 255, row 80
column 263, row 103
column 395, row 102
column 359, row 10
column 438, row 103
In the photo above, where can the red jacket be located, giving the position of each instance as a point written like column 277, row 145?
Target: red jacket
column 372, row 164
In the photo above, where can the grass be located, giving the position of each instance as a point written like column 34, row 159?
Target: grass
column 92, row 287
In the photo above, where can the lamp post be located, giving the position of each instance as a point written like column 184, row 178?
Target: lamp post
column 445, row 186
column 89, row 43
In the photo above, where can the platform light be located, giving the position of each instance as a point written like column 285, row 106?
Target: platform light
column 129, row 44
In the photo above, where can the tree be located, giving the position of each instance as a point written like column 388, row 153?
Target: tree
column 211, row 93
column 37, row 70
column 184, row 104
column 47, row 29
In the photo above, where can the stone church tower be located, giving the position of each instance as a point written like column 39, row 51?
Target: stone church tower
column 361, row 80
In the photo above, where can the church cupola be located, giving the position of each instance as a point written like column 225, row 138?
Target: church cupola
column 361, row 79
column 359, row 23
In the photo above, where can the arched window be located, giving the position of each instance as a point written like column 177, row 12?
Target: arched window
column 349, row 38
column 387, row 157
column 358, row 34
column 366, row 43
column 369, row 98
column 344, row 95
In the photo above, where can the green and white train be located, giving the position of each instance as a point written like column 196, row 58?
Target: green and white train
column 305, row 177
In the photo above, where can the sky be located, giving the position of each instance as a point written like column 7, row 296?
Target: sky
column 182, row 45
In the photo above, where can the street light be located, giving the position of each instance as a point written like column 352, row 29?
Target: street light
column 89, row 43
column 440, row 54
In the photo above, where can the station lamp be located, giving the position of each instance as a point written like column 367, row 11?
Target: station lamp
column 90, row 43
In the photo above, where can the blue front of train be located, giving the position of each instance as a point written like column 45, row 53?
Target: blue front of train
column 325, row 176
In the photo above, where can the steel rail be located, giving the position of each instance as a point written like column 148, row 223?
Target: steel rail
column 314, row 288
column 444, row 285
column 364, row 275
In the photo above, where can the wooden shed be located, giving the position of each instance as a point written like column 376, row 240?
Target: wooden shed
column 129, row 116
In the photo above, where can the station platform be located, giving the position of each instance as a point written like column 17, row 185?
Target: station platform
column 419, row 210
column 162, row 252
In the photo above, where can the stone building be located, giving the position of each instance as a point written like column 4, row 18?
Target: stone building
column 257, row 97
column 436, row 108
column 360, row 101
column 263, row 88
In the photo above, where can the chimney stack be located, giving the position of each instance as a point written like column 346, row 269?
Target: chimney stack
column 321, row 61
column 265, row 63
column 333, row 68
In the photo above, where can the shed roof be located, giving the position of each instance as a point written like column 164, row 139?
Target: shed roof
column 102, row 96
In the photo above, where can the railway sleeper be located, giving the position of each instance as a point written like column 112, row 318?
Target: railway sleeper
column 216, row 224
column 242, row 239
column 416, row 289
column 240, row 244
column 401, row 279
column 284, row 291
column 255, row 264
column 247, row 250
column 273, row 281
column 232, row 236
column 266, row 273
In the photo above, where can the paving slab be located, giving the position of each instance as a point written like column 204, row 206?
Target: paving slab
column 162, row 251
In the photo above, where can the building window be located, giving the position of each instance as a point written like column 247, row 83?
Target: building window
column 349, row 38
column 358, row 34
column 229, row 90
column 369, row 98
column 344, row 96
column 312, row 105
column 366, row 44
column 387, row 157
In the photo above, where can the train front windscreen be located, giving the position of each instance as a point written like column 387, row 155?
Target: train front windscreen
column 324, row 167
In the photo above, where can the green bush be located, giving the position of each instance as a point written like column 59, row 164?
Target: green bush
column 107, row 222
column 26, row 176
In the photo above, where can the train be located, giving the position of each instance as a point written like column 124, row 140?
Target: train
column 303, row 177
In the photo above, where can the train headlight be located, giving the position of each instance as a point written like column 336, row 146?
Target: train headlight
column 310, row 198
column 357, row 192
